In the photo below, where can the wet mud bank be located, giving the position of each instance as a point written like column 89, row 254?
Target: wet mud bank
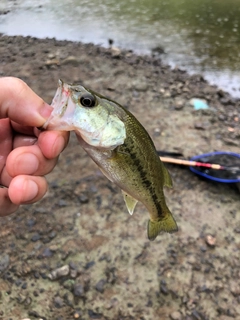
column 78, row 254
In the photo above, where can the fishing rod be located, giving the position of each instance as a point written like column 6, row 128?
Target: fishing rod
column 191, row 163
column 220, row 166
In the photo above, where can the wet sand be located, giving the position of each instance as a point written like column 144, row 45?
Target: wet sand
column 78, row 254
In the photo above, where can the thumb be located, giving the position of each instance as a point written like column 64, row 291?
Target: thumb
column 19, row 103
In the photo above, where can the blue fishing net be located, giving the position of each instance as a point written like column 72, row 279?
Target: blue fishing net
column 229, row 160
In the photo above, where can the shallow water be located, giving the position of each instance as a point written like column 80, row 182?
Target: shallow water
column 194, row 35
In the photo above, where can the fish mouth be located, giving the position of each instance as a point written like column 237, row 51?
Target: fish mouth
column 61, row 111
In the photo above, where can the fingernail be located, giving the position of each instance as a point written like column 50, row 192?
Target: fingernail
column 26, row 163
column 29, row 141
column 46, row 110
column 30, row 190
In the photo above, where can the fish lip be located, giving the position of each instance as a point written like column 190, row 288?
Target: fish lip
column 59, row 104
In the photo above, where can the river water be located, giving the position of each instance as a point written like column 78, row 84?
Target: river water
column 200, row 36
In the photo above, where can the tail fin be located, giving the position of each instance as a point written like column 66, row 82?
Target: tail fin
column 167, row 224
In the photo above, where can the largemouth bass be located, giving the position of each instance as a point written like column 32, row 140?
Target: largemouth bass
column 120, row 146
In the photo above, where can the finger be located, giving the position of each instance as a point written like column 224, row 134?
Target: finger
column 22, row 140
column 5, row 177
column 25, row 189
column 30, row 131
column 29, row 160
column 19, row 103
column 6, row 205
column 52, row 143
column 5, row 141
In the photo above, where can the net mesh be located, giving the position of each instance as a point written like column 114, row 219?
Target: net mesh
column 231, row 162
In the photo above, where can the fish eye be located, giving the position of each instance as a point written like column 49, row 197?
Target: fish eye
column 88, row 100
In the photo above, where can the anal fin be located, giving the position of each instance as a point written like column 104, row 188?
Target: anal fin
column 130, row 202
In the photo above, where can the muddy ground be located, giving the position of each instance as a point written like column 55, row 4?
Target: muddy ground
column 78, row 254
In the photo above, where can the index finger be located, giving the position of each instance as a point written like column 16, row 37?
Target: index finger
column 19, row 103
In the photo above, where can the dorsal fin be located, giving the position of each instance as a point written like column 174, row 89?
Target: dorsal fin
column 167, row 180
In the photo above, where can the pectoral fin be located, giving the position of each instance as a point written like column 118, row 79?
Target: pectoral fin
column 130, row 202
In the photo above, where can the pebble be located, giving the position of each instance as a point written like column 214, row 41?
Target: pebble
column 89, row 264
column 203, row 248
column 100, row 285
column 73, row 265
column 4, row 262
column 36, row 237
column 157, row 132
column 62, row 203
column 24, row 286
column 163, row 288
column 52, row 234
column 35, row 293
column 237, row 230
column 53, row 247
column 199, row 125
column 94, row 315
column 197, row 315
column 77, row 315
column 231, row 142
column 179, row 104
column 167, row 94
column 83, row 198
column 210, row 240
column 78, row 290
column 52, row 62
column 51, row 56
column 18, row 282
column 222, row 117
column 47, row 253
column 60, row 272
column 235, row 288
column 72, row 60
column 73, row 273
column 58, row 302
column 140, row 85
column 30, row 222
column 116, row 52
column 28, row 301
column 176, row 315
column 186, row 90
column 191, row 259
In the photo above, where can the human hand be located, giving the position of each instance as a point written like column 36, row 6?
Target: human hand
column 26, row 154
